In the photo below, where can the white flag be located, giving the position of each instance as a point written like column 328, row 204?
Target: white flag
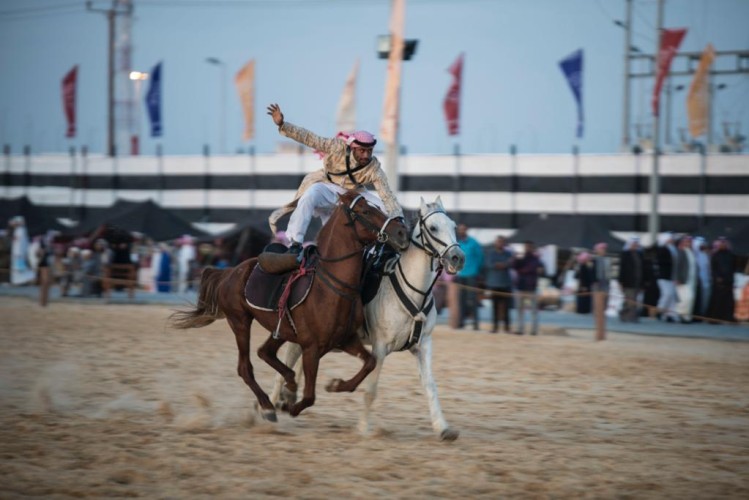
column 346, row 117
column 391, row 106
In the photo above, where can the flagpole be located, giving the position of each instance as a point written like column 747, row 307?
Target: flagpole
column 654, row 220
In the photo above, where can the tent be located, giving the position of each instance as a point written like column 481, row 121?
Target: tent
column 243, row 241
column 567, row 231
column 145, row 217
column 38, row 219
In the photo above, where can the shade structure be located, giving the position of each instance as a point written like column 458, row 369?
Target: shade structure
column 146, row 217
column 38, row 219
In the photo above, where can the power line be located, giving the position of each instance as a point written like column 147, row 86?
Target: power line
column 44, row 8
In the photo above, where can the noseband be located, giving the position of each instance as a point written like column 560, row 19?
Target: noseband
column 428, row 239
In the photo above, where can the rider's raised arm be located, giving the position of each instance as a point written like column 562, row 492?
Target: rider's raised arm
column 381, row 185
column 304, row 136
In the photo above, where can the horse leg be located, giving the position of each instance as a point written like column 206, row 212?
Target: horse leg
column 268, row 352
column 423, row 353
column 241, row 328
column 370, row 389
column 281, row 396
column 355, row 348
column 310, row 363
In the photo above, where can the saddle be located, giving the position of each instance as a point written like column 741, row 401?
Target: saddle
column 264, row 288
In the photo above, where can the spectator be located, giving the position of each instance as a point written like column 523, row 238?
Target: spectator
column 469, row 276
column 686, row 279
column 186, row 256
column 20, row 271
column 73, row 271
column 704, row 285
column 528, row 268
column 499, row 281
column 721, row 300
column 584, row 276
column 602, row 276
column 162, row 263
column 666, row 257
column 631, row 275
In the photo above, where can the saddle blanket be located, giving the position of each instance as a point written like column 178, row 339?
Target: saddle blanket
column 263, row 290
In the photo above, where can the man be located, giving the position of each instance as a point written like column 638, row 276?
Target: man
column 704, row 281
column 722, row 302
column 499, row 281
column 469, row 276
column 348, row 164
column 528, row 268
column 686, row 279
column 600, row 286
column 666, row 259
column 631, row 267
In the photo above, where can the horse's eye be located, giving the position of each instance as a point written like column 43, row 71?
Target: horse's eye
column 365, row 212
column 433, row 228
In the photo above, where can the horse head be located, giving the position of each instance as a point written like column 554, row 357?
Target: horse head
column 371, row 224
column 435, row 233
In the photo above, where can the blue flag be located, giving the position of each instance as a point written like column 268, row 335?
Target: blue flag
column 572, row 67
column 153, row 101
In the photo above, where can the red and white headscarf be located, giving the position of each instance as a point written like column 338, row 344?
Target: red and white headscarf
column 358, row 139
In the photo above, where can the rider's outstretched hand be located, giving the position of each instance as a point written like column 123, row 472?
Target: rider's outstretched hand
column 274, row 110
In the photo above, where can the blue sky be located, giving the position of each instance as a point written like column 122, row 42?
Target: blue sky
column 513, row 90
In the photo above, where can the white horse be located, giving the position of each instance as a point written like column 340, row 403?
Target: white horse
column 402, row 314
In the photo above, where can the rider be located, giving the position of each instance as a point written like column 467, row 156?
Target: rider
column 348, row 164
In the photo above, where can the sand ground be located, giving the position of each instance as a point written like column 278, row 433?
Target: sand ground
column 106, row 401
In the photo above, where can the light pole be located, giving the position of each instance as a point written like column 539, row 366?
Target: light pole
column 137, row 78
column 222, row 96
column 627, row 26
column 384, row 46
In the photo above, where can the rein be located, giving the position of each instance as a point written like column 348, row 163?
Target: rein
column 351, row 292
column 427, row 302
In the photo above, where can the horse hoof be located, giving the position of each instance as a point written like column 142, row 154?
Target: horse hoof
column 333, row 385
column 267, row 415
column 449, row 435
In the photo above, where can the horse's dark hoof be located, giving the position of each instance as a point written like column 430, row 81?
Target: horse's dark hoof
column 267, row 415
column 449, row 435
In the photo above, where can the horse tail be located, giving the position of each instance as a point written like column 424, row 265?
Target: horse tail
column 207, row 309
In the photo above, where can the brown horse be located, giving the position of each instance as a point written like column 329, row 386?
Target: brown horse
column 327, row 319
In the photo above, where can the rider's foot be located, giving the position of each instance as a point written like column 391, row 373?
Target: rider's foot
column 295, row 248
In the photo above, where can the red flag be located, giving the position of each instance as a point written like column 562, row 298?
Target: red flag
column 670, row 41
column 452, row 99
column 68, row 99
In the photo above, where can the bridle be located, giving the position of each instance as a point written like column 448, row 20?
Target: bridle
column 353, row 217
column 428, row 239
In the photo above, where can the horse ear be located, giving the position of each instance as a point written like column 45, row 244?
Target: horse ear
column 423, row 205
column 438, row 201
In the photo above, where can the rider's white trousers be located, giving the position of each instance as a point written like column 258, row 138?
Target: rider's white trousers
column 319, row 201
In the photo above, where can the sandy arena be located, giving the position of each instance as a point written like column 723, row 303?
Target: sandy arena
column 106, row 401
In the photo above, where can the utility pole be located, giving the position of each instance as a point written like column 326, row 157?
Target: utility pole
column 625, row 100
column 654, row 219
column 110, row 14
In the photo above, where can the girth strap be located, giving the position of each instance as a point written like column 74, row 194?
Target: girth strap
column 418, row 327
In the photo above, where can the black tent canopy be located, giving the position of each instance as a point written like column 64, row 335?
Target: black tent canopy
column 38, row 220
column 145, row 217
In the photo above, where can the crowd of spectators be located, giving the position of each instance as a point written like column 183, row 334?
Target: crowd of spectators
column 680, row 279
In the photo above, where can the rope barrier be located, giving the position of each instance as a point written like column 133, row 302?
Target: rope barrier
column 650, row 308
